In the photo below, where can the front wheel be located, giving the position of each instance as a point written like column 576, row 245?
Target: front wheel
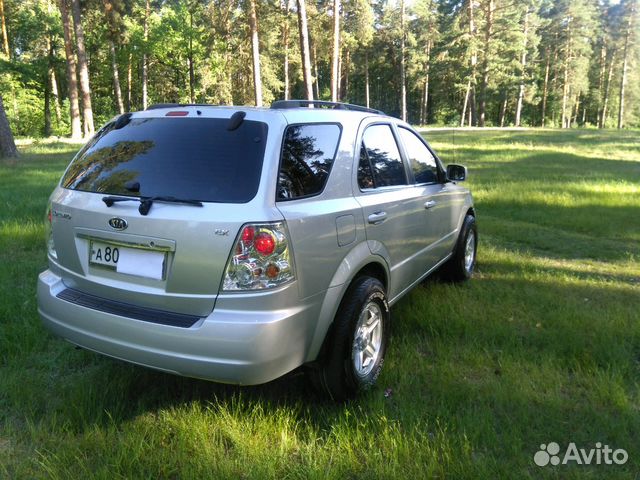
column 355, row 350
column 460, row 266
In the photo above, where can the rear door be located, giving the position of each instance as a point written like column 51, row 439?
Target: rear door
column 173, row 257
column 393, row 208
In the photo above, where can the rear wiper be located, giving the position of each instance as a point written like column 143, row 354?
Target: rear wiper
column 146, row 202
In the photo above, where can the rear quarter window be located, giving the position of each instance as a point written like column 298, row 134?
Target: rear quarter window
column 308, row 153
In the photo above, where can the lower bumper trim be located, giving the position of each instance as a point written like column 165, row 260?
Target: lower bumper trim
column 126, row 310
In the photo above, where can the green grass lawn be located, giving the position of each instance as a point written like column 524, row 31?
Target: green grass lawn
column 543, row 345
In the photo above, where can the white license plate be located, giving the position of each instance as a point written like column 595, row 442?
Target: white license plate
column 131, row 261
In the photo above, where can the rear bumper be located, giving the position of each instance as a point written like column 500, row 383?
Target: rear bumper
column 232, row 345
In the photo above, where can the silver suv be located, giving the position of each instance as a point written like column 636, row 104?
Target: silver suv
column 236, row 244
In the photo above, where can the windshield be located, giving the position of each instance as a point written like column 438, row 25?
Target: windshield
column 190, row 158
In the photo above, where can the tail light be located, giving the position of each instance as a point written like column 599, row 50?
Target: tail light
column 260, row 259
column 51, row 248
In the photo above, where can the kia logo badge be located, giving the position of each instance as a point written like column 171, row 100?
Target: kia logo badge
column 117, row 223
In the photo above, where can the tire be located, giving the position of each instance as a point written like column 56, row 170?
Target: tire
column 357, row 342
column 460, row 266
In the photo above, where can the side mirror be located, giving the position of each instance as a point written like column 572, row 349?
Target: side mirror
column 456, row 173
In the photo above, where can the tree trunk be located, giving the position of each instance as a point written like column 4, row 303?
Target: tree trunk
column 403, row 74
column 83, row 67
column 7, row 144
column 424, row 117
column 625, row 55
column 335, row 57
column 129, row 80
column 255, row 53
column 601, row 79
column 5, row 36
column 145, row 99
column 523, row 65
column 545, row 88
column 112, row 38
column 74, row 108
column 366, row 80
column 316, row 75
column 470, row 99
column 286, row 50
column 116, row 78
column 566, row 112
column 55, row 95
column 344, row 93
column 565, row 95
column 304, row 48
column 51, row 80
column 465, row 104
column 503, row 110
column 607, row 88
column 47, row 106
column 488, row 34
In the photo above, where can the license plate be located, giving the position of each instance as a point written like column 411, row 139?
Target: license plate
column 130, row 261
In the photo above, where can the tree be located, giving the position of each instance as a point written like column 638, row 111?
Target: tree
column 472, row 53
column 403, row 73
column 3, row 29
column 145, row 99
column 83, row 68
column 255, row 52
column 335, row 56
column 113, row 34
column 573, row 22
column 7, row 144
column 425, row 32
column 304, row 48
column 497, row 62
column 285, row 45
column 72, row 82
column 631, row 13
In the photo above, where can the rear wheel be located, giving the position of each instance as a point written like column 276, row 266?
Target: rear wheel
column 355, row 350
column 460, row 266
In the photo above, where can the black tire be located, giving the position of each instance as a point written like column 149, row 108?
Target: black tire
column 336, row 373
column 457, row 268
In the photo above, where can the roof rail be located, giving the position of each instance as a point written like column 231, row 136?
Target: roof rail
column 282, row 104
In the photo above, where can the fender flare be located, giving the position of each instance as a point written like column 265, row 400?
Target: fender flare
column 358, row 258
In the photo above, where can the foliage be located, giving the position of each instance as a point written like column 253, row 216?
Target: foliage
column 200, row 51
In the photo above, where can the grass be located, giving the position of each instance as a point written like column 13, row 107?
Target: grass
column 542, row 345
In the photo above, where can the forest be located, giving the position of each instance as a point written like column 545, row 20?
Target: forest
column 68, row 66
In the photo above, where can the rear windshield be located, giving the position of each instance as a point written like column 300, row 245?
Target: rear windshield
column 188, row 158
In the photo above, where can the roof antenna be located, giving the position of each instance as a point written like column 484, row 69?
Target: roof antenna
column 236, row 120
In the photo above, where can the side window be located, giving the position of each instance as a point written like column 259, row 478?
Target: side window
column 385, row 167
column 423, row 164
column 365, row 175
column 308, row 152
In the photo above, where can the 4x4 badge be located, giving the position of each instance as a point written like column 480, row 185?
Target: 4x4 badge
column 118, row 223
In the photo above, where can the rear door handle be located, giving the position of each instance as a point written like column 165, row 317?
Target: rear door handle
column 377, row 217
column 430, row 204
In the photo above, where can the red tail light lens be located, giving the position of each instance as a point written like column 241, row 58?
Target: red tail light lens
column 247, row 234
column 260, row 258
column 265, row 243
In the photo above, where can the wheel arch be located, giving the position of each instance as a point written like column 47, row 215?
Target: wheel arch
column 360, row 261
